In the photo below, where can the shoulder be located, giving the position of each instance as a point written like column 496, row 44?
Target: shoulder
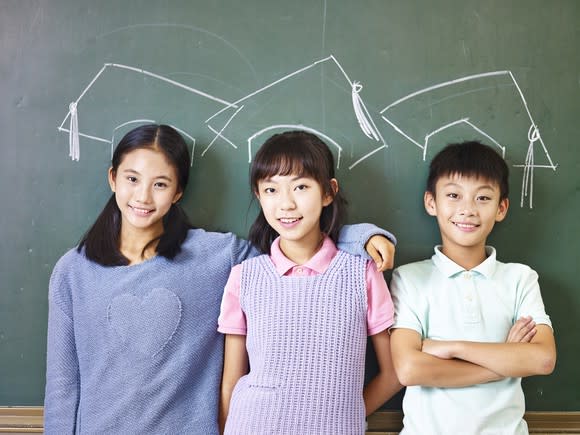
column 514, row 272
column 417, row 269
column 199, row 240
column 71, row 260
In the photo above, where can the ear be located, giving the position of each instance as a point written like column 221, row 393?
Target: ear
column 429, row 202
column 329, row 197
column 111, row 178
column 502, row 209
column 177, row 197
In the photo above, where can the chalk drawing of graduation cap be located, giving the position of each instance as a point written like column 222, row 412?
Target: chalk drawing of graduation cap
column 119, row 97
column 297, row 101
column 474, row 103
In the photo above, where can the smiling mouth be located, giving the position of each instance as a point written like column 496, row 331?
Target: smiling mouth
column 289, row 220
column 141, row 211
column 465, row 226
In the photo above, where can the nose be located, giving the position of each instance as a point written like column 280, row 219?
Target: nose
column 467, row 208
column 287, row 201
column 143, row 194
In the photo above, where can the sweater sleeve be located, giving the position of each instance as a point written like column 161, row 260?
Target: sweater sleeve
column 353, row 238
column 62, row 370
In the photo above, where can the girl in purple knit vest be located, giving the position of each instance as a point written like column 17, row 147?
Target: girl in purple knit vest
column 297, row 318
column 132, row 344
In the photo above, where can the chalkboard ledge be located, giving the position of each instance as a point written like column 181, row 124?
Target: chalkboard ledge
column 28, row 419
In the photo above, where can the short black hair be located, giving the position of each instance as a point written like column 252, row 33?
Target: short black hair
column 471, row 159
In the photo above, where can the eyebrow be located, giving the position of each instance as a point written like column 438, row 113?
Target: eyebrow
column 159, row 177
column 482, row 186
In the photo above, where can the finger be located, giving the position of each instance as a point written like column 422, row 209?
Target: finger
column 375, row 255
column 528, row 337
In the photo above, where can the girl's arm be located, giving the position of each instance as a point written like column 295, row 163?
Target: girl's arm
column 385, row 384
column 62, row 370
column 355, row 239
column 235, row 366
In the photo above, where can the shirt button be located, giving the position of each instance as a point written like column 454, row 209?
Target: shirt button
column 299, row 271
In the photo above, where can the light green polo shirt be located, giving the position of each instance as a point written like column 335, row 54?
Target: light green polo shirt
column 442, row 301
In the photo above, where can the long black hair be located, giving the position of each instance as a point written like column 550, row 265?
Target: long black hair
column 101, row 241
column 303, row 154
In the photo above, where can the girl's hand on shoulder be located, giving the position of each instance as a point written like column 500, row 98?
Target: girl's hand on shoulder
column 382, row 251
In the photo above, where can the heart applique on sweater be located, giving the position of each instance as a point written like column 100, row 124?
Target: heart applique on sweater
column 146, row 324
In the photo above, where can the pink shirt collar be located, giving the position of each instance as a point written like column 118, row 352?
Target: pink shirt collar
column 318, row 263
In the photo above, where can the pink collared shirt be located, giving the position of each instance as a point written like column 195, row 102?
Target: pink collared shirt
column 380, row 311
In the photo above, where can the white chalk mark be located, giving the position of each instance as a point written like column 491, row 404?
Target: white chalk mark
column 221, row 131
column 188, row 136
column 402, row 133
column 295, row 127
column 533, row 132
column 88, row 136
column 444, row 84
column 366, row 156
column 364, row 119
column 134, row 121
column 191, row 28
column 451, row 124
column 74, row 134
column 217, row 133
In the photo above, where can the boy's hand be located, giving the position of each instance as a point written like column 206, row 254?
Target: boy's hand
column 523, row 331
column 440, row 349
column 382, row 251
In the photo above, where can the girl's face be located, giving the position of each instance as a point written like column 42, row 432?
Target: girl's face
column 292, row 206
column 145, row 186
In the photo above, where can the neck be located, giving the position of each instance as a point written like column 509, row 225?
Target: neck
column 301, row 251
column 132, row 244
column 466, row 257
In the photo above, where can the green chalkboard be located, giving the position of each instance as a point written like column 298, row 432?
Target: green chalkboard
column 386, row 82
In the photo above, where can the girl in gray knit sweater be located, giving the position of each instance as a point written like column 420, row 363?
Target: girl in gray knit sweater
column 132, row 345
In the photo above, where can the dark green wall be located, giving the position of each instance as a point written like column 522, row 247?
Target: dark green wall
column 51, row 50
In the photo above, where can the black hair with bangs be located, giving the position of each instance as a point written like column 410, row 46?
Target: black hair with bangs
column 469, row 159
column 302, row 154
column 101, row 241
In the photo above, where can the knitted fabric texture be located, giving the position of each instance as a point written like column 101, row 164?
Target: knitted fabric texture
column 306, row 342
column 134, row 349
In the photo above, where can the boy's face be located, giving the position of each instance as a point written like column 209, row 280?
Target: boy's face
column 466, row 209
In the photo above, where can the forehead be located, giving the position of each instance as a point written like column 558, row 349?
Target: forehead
column 466, row 182
column 146, row 158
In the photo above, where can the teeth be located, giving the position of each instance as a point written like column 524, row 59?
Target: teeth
column 141, row 210
column 465, row 225
column 288, row 220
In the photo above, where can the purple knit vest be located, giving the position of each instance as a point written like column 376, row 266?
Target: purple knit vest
column 306, row 342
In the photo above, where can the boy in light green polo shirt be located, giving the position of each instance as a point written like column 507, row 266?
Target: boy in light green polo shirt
column 467, row 327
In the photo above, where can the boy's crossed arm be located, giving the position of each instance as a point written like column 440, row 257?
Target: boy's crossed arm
column 534, row 354
column 433, row 363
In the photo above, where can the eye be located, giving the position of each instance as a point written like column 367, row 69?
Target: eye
column 483, row 198
column 301, row 187
column 132, row 179
column 452, row 195
column 269, row 190
column 160, row 185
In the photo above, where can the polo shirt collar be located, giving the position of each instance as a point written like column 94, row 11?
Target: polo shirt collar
column 449, row 268
column 319, row 262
